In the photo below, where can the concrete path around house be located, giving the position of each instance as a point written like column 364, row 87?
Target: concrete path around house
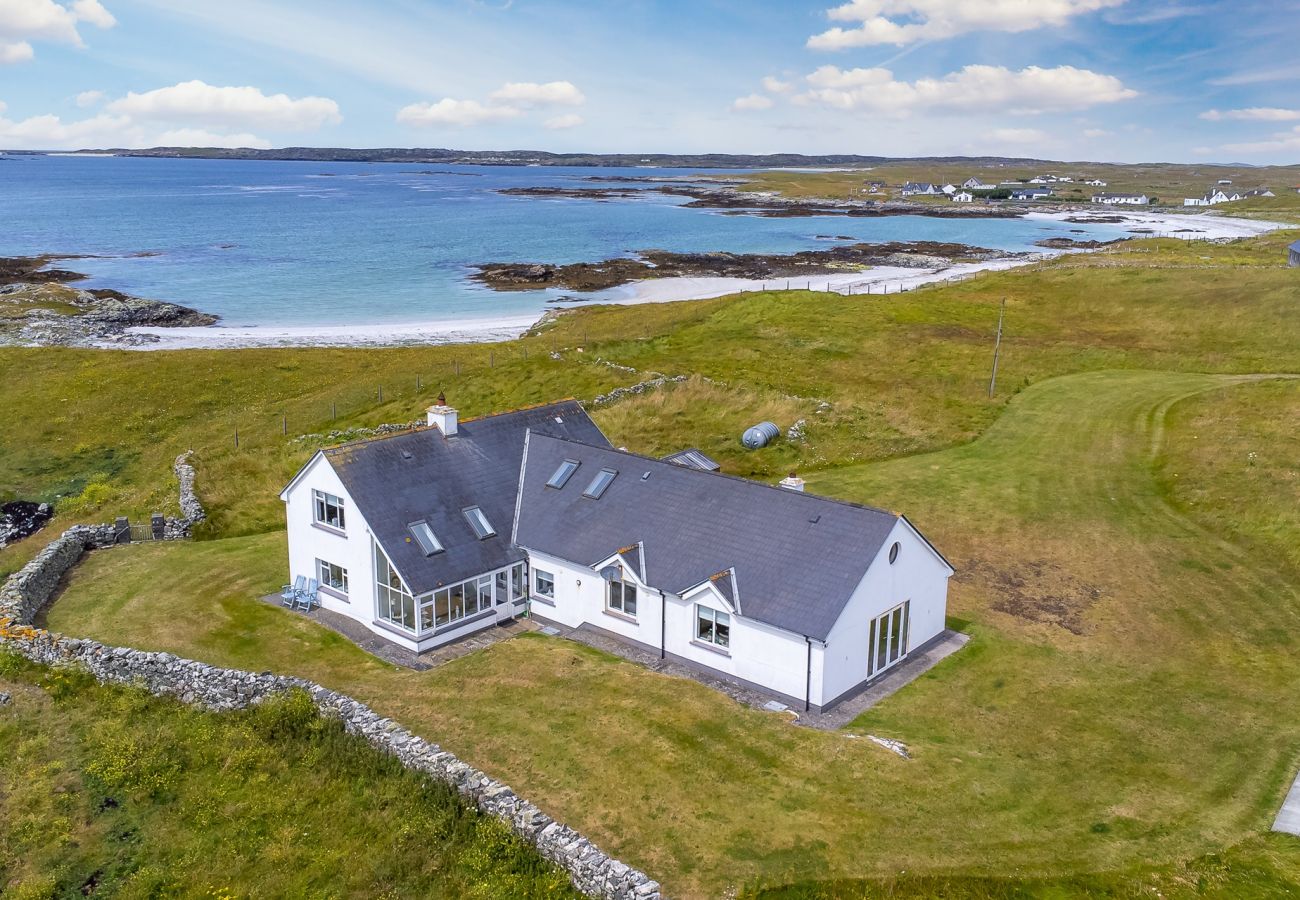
column 1288, row 817
column 389, row 652
column 917, row 664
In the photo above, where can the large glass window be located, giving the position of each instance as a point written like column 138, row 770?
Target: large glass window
column 394, row 603
column 544, row 583
column 887, row 640
column 621, row 597
column 517, row 582
column 331, row 575
column 599, row 484
column 459, row 601
column 329, row 510
column 712, row 626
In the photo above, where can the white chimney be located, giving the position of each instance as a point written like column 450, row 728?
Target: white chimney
column 443, row 418
column 793, row 482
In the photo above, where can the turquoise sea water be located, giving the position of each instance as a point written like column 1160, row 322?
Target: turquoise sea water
column 305, row 243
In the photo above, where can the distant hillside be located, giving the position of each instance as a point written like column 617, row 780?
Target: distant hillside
column 535, row 157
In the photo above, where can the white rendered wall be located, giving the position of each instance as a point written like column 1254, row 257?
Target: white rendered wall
column 918, row 575
column 309, row 542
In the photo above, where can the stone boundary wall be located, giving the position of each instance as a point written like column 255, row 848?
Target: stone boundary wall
column 192, row 511
column 592, row 872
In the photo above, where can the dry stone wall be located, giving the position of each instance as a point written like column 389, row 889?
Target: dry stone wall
column 592, row 871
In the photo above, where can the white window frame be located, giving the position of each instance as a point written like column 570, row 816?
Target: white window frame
column 324, row 577
column 385, row 591
column 478, row 523
column 540, row 575
column 888, row 638
column 321, row 502
column 623, row 588
column 715, row 618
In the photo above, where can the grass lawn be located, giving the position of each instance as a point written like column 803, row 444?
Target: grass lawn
column 111, row 793
column 1113, row 723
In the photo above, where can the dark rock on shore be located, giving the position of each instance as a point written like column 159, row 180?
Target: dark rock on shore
column 39, row 308
column 665, row 264
column 21, row 518
column 1065, row 243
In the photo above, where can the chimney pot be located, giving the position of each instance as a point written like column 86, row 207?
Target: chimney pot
column 793, row 482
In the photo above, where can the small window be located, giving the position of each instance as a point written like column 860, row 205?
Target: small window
column 712, row 627
column 599, row 484
column 482, row 527
column 329, row 510
column 425, row 537
column 893, row 553
column 545, row 583
column 622, row 597
column 563, row 474
column 332, row 576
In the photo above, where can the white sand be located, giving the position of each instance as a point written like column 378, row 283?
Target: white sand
column 879, row 280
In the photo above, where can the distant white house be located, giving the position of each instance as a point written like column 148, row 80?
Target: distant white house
column 963, row 197
column 428, row 536
column 1034, row 192
column 919, row 188
column 949, row 189
column 1219, row 194
column 1112, row 199
column 1042, row 179
column 1095, row 182
column 975, row 184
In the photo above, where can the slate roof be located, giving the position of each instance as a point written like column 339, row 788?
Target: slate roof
column 797, row 557
column 693, row 458
column 421, row 475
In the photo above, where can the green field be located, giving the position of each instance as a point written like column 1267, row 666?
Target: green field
column 1122, row 515
column 107, row 792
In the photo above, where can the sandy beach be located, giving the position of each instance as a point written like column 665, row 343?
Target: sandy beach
column 877, row 280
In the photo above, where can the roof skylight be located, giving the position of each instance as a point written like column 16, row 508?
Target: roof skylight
column 599, row 484
column 482, row 527
column 563, row 474
column 425, row 537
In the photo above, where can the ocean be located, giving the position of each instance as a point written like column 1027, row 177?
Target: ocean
column 306, row 244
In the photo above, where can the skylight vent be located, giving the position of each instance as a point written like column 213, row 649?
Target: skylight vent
column 425, row 537
column 563, row 474
column 645, row 476
column 406, row 454
column 482, row 527
column 600, row 484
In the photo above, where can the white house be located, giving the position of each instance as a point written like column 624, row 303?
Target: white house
column 1031, row 193
column 949, row 189
column 913, row 188
column 1112, row 199
column 975, row 184
column 963, row 197
column 430, row 535
column 1095, row 182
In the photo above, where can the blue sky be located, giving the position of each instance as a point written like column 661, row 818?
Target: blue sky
column 1123, row 80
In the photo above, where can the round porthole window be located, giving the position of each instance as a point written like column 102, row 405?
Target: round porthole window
column 893, row 553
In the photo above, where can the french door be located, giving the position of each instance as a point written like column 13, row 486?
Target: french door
column 887, row 642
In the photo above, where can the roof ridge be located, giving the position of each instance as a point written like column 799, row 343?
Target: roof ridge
column 736, row 478
column 417, row 428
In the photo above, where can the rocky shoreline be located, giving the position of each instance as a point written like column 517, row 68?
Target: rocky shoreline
column 39, row 308
column 650, row 264
column 732, row 201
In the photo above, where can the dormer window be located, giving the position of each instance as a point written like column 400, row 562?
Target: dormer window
column 425, row 537
column 482, row 527
column 563, row 474
column 599, row 484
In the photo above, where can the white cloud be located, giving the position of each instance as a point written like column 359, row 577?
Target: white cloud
column 752, row 102
column 1096, row 133
column 90, row 98
column 903, row 22
column 15, row 53
column 1286, row 140
column 774, row 85
column 529, row 93
column 238, row 107
column 92, row 11
column 559, row 123
column 52, row 133
column 973, row 88
column 198, row 137
column 22, row 21
column 454, row 112
column 1017, row 136
column 1252, row 114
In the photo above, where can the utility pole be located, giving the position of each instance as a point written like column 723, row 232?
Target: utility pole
column 997, row 349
